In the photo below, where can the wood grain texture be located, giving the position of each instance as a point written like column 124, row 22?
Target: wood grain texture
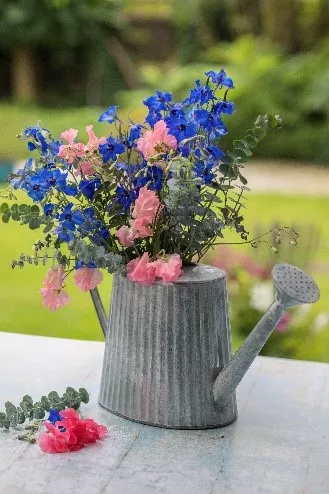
column 279, row 444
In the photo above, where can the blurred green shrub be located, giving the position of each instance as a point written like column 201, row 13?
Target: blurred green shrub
column 302, row 332
column 296, row 87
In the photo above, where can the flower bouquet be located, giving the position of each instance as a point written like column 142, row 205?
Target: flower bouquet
column 144, row 200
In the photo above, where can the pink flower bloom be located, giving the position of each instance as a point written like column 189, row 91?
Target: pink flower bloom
column 70, row 433
column 76, row 150
column 87, row 278
column 147, row 206
column 54, row 278
column 71, row 152
column 69, row 135
column 147, row 203
column 168, row 269
column 54, row 299
column 141, row 270
column 141, row 227
column 52, row 292
column 93, row 142
column 156, row 141
column 86, row 168
column 126, row 236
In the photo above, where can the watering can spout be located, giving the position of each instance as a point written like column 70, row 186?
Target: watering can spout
column 293, row 287
column 100, row 311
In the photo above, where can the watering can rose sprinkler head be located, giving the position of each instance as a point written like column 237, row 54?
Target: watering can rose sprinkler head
column 293, row 287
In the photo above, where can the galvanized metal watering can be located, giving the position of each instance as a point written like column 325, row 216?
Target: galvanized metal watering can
column 168, row 355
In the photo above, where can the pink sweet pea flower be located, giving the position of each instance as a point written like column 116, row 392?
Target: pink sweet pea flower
column 146, row 208
column 141, row 227
column 126, row 236
column 71, row 433
column 73, row 150
column 87, row 278
column 52, row 292
column 93, row 142
column 169, row 268
column 54, row 299
column 69, row 135
column 141, row 270
column 54, row 278
column 86, row 168
column 156, row 141
column 147, row 204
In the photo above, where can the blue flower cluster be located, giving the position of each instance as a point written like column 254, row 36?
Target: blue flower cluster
column 200, row 113
column 72, row 221
column 196, row 122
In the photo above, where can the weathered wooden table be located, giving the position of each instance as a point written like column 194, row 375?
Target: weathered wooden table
column 279, row 444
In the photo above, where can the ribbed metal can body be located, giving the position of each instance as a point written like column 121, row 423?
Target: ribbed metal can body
column 165, row 346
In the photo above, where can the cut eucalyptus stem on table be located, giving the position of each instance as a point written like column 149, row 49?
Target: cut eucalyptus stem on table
column 34, row 412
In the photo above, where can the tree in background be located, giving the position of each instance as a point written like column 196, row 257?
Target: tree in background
column 280, row 23
column 63, row 30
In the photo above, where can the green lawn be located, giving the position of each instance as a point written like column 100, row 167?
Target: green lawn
column 20, row 303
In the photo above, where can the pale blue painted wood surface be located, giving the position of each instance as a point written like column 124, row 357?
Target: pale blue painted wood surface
column 279, row 444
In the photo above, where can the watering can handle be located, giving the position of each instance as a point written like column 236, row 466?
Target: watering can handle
column 98, row 304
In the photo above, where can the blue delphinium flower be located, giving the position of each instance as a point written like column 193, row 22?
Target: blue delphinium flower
column 40, row 139
column 180, row 127
column 109, row 115
column 54, row 416
column 153, row 117
column 199, row 94
column 124, row 197
column 215, row 152
column 153, row 179
column 224, row 107
column 111, row 149
column 48, row 209
column 204, row 171
column 158, row 102
column 68, row 220
column 220, row 78
column 22, row 175
column 89, row 187
column 81, row 264
column 58, row 179
column 134, row 134
column 36, row 185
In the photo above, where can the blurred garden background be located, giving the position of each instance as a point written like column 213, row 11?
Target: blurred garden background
column 63, row 61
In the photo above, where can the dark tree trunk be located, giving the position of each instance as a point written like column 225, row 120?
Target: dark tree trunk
column 24, row 86
column 280, row 23
column 247, row 17
column 323, row 19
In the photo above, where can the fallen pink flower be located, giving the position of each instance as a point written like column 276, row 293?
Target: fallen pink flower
column 71, row 433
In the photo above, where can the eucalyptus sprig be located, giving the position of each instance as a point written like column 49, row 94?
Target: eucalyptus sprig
column 34, row 412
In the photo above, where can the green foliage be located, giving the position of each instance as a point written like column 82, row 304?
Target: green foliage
column 24, row 213
column 28, row 410
column 97, row 253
